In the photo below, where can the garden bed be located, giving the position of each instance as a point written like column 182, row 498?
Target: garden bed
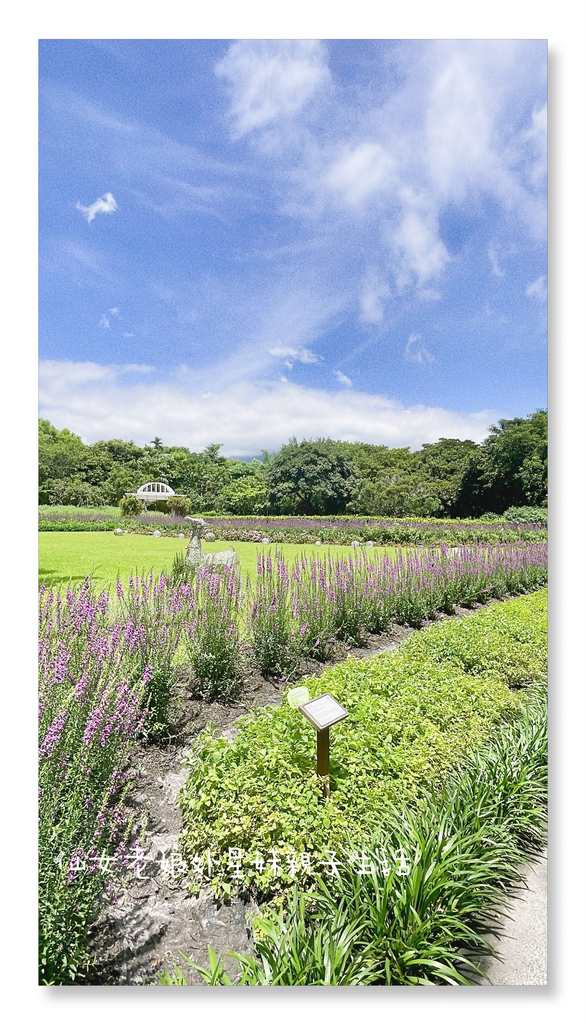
column 156, row 918
column 300, row 529
column 111, row 675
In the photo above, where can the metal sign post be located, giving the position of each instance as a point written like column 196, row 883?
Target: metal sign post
column 323, row 759
column 323, row 712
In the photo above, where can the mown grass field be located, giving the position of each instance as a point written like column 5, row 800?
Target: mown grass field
column 66, row 558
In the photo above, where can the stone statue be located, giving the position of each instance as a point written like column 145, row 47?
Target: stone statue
column 197, row 557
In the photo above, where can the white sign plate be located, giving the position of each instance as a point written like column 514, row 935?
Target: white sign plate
column 323, row 711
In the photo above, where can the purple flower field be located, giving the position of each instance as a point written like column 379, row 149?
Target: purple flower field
column 108, row 676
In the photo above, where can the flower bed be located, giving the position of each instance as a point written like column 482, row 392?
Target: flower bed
column 414, row 715
column 108, row 679
column 421, row 917
column 304, row 530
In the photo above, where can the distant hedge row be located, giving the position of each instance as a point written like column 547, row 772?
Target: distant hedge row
column 307, row 530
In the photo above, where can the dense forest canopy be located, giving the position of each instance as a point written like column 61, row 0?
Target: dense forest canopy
column 449, row 478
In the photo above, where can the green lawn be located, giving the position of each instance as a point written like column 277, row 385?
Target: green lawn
column 68, row 557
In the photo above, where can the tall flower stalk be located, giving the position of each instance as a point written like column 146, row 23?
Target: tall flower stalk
column 212, row 633
column 272, row 624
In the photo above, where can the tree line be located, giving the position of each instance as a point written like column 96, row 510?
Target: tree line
column 450, row 478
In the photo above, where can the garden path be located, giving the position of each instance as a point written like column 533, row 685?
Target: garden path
column 522, row 945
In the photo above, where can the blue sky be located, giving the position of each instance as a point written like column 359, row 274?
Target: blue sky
column 241, row 241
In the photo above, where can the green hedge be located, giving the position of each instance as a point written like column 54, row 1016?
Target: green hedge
column 526, row 514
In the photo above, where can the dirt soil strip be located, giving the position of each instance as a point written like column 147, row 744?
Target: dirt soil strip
column 154, row 916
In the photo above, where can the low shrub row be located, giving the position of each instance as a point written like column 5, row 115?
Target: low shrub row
column 145, row 525
column 426, row 923
column 299, row 530
column 527, row 514
column 415, row 714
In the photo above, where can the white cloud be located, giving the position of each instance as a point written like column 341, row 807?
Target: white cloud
column 418, row 249
column 536, row 136
column 360, row 172
column 342, row 378
column 537, row 289
column 294, row 355
column 459, row 121
column 417, row 355
column 372, row 299
column 106, row 204
column 474, row 141
column 104, row 322
column 62, row 377
column 271, row 79
column 496, row 269
column 93, row 402
column 115, row 312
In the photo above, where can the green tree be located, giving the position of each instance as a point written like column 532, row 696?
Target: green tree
column 510, row 468
column 120, row 479
column 61, row 456
column 246, row 495
column 443, row 465
column 372, row 461
column 310, row 478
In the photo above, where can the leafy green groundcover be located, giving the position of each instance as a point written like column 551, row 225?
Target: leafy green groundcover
column 415, row 715
column 427, row 925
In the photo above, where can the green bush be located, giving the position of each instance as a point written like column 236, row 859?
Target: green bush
column 415, row 714
column 131, row 505
column 178, row 506
column 526, row 515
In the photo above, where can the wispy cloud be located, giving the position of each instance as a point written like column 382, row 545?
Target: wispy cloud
column 94, row 402
column 271, row 79
column 294, row 355
column 75, row 260
column 105, row 204
column 342, row 378
column 419, row 250
column 165, row 176
column 60, row 377
column 104, row 322
column 537, row 289
column 375, row 291
column 417, row 354
column 496, row 269
column 536, row 137
column 360, row 172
